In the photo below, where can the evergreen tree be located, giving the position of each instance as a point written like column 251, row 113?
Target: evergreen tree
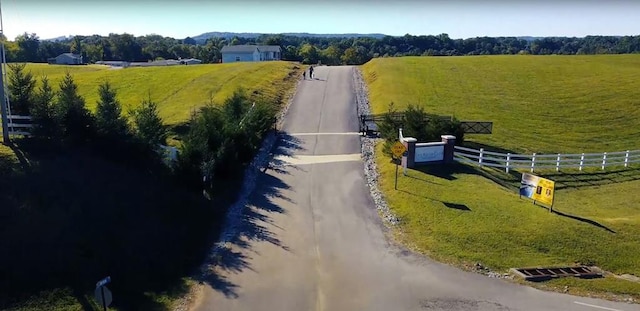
column 109, row 119
column 42, row 111
column 21, row 89
column 148, row 124
column 76, row 122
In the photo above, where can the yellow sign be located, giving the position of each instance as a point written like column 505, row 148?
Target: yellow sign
column 398, row 149
column 537, row 188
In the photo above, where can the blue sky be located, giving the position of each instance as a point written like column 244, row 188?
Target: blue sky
column 458, row 18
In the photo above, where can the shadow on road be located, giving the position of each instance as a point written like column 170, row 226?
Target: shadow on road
column 287, row 146
column 255, row 223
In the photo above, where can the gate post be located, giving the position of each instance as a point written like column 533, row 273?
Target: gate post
column 410, row 159
column 410, row 143
column 449, row 143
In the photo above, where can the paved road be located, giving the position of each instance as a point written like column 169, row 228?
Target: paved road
column 312, row 240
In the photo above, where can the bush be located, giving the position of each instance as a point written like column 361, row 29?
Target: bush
column 222, row 140
column 419, row 124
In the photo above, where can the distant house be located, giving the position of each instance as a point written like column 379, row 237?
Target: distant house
column 270, row 52
column 250, row 53
column 66, row 59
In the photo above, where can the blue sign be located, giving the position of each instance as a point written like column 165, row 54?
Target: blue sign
column 103, row 281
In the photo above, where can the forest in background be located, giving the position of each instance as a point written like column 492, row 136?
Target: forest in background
column 350, row 50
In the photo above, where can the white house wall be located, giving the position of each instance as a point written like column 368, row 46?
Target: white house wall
column 256, row 56
column 243, row 57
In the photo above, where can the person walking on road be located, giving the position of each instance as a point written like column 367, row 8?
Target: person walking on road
column 310, row 72
column 304, row 75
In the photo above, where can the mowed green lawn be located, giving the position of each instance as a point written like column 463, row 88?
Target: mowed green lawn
column 177, row 89
column 455, row 214
column 543, row 104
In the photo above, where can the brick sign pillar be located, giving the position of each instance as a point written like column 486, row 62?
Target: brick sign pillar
column 449, row 142
column 408, row 161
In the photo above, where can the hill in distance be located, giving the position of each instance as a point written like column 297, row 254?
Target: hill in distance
column 202, row 38
column 229, row 35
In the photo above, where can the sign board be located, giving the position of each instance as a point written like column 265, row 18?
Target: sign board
column 537, row 188
column 398, row 149
column 108, row 297
column 103, row 281
column 429, row 152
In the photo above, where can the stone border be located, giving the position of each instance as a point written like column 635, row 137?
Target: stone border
column 368, row 152
column 234, row 214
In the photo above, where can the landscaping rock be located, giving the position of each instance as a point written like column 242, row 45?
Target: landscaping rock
column 368, row 152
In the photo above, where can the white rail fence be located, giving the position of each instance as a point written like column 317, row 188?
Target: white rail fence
column 535, row 161
column 22, row 127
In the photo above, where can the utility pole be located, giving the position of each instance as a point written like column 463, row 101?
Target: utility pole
column 3, row 98
column 5, row 123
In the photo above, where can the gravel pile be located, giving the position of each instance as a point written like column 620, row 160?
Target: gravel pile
column 479, row 268
column 368, row 149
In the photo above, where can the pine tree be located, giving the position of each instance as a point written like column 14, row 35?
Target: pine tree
column 109, row 119
column 76, row 122
column 42, row 111
column 21, row 89
column 148, row 124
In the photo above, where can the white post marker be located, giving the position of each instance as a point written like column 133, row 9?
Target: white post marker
column 506, row 168
column 533, row 161
column 626, row 159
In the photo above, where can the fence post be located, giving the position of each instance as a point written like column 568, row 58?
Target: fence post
column 506, row 168
column 533, row 161
column 581, row 161
column 558, row 163
column 626, row 159
column 480, row 158
column 604, row 160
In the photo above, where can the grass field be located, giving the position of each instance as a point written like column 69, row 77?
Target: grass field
column 457, row 214
column 71, row 217
column 543, row 104
column 177, row 89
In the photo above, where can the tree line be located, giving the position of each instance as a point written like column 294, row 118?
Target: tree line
column 333, row 51
column 221, row 138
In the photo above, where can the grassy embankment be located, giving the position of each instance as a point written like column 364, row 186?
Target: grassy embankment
column 69, row 218
column 543, row 104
